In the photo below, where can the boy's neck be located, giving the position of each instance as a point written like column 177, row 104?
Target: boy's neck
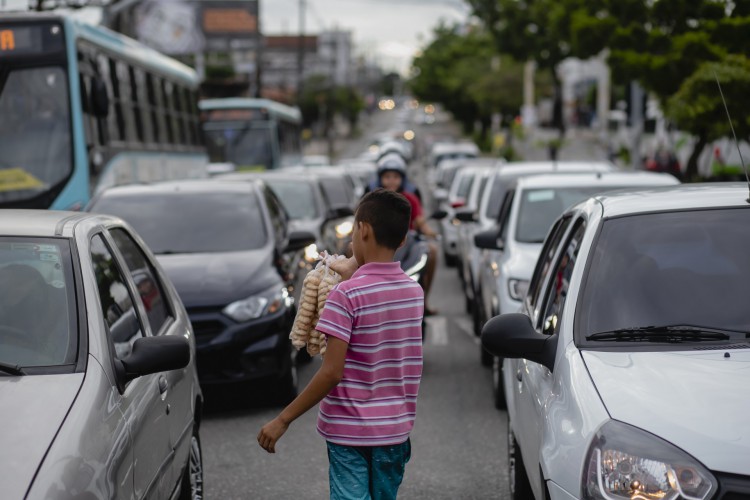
column 378, row 254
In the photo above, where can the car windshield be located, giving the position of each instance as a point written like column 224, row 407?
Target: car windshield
column 297, row 197
column 540, row 207
column 247, row 147
column 680, row 268
column 35, row 138
column 37, row 303
column 191, row 222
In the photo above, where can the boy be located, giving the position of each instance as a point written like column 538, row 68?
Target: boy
column 370, row 375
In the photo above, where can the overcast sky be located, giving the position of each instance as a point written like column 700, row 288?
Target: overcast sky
column 389, row 30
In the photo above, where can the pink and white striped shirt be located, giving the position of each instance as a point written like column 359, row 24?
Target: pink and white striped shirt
column 378, row 312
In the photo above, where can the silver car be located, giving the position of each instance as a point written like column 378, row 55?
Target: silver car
column 98, row 384
column 627, row 370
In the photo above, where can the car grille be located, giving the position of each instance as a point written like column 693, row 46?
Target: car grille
column 207, row 330
column 732, row 487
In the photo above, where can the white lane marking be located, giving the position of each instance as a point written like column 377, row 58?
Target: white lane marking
column 437, row 330
column 466, row 325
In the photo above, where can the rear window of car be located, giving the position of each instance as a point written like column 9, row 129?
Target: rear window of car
column 337, row 192
column 297, row 197
column 178, row 222
column 674, row 268
column 38, row 325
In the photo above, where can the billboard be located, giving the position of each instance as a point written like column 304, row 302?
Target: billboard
column 178, row 27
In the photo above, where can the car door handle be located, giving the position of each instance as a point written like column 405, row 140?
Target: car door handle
column 163, row 385
column 519, row 375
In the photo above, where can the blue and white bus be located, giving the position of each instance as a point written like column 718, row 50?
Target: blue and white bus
column 252, row 134
column 83, row 108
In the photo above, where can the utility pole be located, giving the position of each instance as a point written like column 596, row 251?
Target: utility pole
column 301, row 50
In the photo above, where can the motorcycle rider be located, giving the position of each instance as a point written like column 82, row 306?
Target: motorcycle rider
column 392, row 176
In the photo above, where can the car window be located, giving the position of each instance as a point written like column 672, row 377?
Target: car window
column 177, row 222
column 497, row 194
column 297, row 197
column 277, row 214
column 38, row 325
column 677, row 268
column 540, row 207
column 505, row 212
column 544, row 264
column 335, row 192
column 118, row 306
column 464, row 186
column 146, row 280
column 557, row 287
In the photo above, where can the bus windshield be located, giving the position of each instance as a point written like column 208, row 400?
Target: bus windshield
column 35, row 132
column 247, row 146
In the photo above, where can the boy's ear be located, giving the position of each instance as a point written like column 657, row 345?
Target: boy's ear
column 365, row 230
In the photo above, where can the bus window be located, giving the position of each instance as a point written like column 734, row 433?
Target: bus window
column 135, row 106
column 157, row 124
column 166, row 106
column 35, row 137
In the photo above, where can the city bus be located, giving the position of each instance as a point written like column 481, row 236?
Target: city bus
column 83, row 108
column 251, row 134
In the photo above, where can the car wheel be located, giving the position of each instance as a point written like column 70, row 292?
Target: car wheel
column 518, row 481
column 192, row 478
column 287, row 386
column 498, row 387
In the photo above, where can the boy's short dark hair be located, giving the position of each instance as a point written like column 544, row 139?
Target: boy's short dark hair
column 389, row 214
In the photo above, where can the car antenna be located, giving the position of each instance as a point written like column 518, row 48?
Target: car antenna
column 731, row 126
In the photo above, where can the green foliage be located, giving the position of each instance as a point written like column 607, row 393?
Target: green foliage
column 697, row 106
column 470, row 78
column 321, row 101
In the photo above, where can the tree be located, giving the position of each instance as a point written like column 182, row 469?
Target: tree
column 537, row 30
column 464, row 72
column 698, row 108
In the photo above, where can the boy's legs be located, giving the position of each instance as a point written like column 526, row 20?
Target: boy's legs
column 367, row 473
column 387, row 470
column 348, row 473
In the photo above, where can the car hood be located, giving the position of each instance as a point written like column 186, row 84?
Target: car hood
column 217, row 279
column 522, row 260
column 34, row 407
column 696, row 400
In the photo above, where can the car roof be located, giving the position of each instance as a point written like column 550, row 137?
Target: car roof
column 683, row 197
column 596, row 179
column 447, row 147
column 300, row 176
column 44, row 223
column 188, row 186
column 531, row 167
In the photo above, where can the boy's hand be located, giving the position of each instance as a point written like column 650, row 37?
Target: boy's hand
column 270, row 433
column 346, row 268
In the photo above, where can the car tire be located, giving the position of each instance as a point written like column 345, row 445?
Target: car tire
column 450, row 260
column 518, row 480
column 192, row 478
column 498, row 386
column 287, row 386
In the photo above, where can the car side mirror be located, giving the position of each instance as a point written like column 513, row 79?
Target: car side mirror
column 339, row 213
column 513, row 336
column 466, row 215
column 153, row 355
column 439, row 215
column 299, row 240
column 489, row 240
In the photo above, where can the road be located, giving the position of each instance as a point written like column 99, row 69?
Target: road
column 459, row 439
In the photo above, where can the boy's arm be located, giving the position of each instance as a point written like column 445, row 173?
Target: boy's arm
column 327, row 377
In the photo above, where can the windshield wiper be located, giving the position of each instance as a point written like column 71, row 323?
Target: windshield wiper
column 666, row 333
column 11, row 369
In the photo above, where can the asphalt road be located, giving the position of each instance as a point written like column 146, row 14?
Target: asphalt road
column 459, row 440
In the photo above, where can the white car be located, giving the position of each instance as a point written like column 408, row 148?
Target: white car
column 451, row 150
column 627, row 370
column 530, row 207
column 458, row 195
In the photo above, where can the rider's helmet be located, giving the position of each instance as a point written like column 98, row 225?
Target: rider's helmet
column 391, row 163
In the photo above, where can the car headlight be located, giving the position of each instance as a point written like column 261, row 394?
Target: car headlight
column 311, row 253
column 625, row 462
column 344, row 229
column 517, row 289
column 259, row 305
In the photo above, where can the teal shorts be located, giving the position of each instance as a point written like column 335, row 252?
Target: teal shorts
column 367, row 472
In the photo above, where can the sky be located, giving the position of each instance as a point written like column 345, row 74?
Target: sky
column 390, row 31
